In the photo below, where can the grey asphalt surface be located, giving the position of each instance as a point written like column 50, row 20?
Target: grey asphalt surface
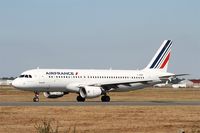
column 132, row 103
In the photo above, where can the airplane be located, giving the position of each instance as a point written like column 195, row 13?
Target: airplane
column 89, row 83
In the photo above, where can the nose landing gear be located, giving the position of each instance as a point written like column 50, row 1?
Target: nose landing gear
column 36, row 98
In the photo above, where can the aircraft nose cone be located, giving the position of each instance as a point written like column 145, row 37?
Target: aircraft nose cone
column 16, row 84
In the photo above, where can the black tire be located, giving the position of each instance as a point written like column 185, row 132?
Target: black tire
column 35, row 99
column 105, row 99
column 80, row 99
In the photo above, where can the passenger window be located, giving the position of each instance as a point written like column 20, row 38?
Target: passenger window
column 26, row 76
column 30, row 76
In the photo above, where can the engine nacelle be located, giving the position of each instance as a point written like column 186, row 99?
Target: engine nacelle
column 54, row 94
column 90, row 91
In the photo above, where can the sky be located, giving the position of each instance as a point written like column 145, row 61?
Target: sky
column 97, row 34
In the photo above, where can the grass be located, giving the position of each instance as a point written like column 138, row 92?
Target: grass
column 109, row 119
column 102, row 119
column 150, row 94
column 46, row 126
column 51, row 126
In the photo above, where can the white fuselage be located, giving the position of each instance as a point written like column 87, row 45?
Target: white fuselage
column 70, row 80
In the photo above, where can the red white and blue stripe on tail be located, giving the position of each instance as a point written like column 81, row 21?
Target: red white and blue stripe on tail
column 161, row 58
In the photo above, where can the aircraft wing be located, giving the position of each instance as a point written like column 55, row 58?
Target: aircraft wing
column 114, row 84
column 145, row 82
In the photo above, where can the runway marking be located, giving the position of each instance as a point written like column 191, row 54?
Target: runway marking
column 119, row 103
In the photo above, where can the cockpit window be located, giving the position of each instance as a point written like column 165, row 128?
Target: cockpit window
column 25, row 76
column 21, row 76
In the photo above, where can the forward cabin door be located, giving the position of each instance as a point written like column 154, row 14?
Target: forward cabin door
column 44, row 82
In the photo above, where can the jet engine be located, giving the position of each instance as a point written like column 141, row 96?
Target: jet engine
column 54, row 94
column 90, row 91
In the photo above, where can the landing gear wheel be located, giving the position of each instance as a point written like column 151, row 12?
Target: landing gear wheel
column 80, row 99
column 36, row 98
column 105, row 99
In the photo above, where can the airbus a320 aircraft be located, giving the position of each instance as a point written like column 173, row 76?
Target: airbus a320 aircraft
column 94, row 83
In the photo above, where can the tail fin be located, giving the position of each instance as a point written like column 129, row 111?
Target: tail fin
column 160, row 60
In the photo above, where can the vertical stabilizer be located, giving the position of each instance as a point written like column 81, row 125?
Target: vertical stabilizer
column 160, row 60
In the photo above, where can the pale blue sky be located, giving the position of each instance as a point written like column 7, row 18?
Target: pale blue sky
column 122, row 34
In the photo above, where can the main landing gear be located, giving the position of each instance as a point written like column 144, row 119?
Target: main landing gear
column 36, row 98
column 80, row 99
column 105, row 98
